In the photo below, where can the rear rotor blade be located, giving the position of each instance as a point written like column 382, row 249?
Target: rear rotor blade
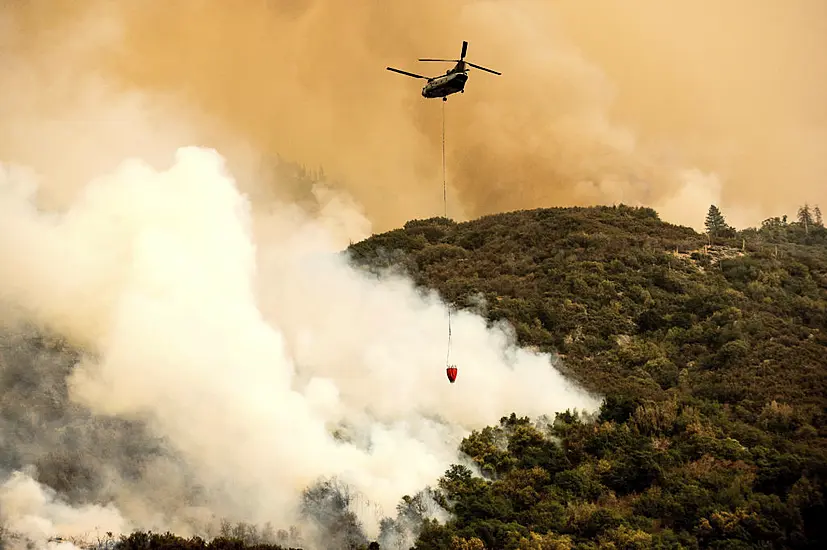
column 482, row 68
column 464, row 49
column 406, row 73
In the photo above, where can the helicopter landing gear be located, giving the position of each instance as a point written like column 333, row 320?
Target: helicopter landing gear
column 444, row 98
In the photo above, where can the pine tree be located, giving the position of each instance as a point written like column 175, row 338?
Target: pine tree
column 715, row 222
column 817, row 213
column 805, row 217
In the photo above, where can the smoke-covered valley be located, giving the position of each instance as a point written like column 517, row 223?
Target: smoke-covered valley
column 231, row 360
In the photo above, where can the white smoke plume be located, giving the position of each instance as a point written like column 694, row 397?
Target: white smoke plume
column 246, row 341
column 36, row 514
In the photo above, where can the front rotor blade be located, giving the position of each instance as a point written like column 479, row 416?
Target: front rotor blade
column 447, row 60
column 406, row 73
column 464, row 49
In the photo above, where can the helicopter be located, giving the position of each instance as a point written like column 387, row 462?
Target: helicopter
column 451, row 82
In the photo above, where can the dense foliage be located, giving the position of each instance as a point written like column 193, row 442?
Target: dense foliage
column 712, row 358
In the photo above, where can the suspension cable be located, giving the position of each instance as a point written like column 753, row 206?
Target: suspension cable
column 444, row 184
column 445, row 202
column 448, row 357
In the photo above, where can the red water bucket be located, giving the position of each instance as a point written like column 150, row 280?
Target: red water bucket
column 452, row 374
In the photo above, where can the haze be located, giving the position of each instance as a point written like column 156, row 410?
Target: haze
column 639, row 102
column 123, row 229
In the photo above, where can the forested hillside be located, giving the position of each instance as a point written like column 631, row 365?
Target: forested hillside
column 712, row 359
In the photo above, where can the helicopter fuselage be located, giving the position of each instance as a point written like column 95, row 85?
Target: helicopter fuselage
column 443, row 86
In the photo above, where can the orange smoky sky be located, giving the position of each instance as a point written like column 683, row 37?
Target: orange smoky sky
column 672, row 104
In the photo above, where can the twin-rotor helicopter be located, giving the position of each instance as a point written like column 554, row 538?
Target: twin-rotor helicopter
column 451, row 82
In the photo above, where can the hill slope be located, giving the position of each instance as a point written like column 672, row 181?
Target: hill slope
column 712, row 434
column 605, row 288
column 713, row 362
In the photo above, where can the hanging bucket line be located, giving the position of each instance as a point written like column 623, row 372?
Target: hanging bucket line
column 448, row 357
column 445, row 203
column 444, row 184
